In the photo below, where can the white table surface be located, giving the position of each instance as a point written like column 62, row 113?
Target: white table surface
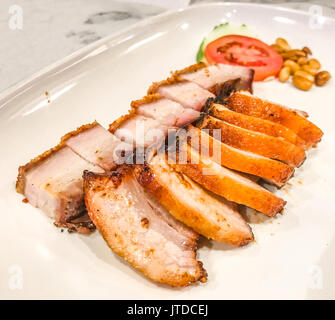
column 52, row 29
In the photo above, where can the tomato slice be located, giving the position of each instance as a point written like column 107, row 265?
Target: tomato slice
column 247, row 52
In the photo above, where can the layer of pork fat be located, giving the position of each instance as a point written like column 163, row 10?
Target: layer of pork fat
column 138, row 131
column 95, row 144
column 188, row 94
column 209, row 76
column 53, row 182
column 169, row 113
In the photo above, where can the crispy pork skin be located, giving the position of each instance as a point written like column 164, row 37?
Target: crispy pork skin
column 53, row 182
column 273, row 171
column 245, row 103
column 256, row 124
column 188, row 94
column 209, row 77
column 214, row 218
column 96, row 145
column 169, row 113
column 138, row 130
column 256, row 142
column 224, row 182
column 140, row 230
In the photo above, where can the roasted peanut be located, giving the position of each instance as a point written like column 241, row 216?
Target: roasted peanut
column 278, row 48
column 292, row 65
column 307, row 50
column 314, row 64
column 308, row 68
column 303, row 80
column 302, row 60
column 295, row 62
column 305, row 74
column 321, row 78
column 284, row 74
column 281, row 42
column 293, row 54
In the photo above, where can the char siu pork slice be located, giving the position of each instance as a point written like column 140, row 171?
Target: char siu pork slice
column 245, row 103
column 137, row 228
column 222, row 181
column 256, row 142
column 275, row 172
column 256, row 124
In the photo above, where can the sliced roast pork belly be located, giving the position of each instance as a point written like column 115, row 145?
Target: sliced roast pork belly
column 96, row 145
column 214, row 218
column 224, row 182
column 53, row 182
column 140, row 230
column 245, row 103
column 188, row 94
column 273, row 171
column 256, row 142
column 256, row 124
column 209, row 77
column 139, row 131
column 169, row 113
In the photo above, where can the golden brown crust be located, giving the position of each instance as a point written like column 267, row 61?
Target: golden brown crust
column 175, row 77
column 77, row 131
column 171, row 80
column 190, row 69
column 147, row 178
column 291, row 119
column 119, row 121
column 275, row 171
column 265, row 145
column 256, row 124
column 146, row 99
column 232, row 189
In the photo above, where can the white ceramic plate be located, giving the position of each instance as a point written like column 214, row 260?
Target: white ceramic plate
column 293, row 256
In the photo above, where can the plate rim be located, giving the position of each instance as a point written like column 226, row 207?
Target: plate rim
column 20, row 87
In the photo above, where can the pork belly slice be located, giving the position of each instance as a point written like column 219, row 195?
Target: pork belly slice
column 208, row 77
column 224, row 182
column 53, row 182
column 96, row 145
column 188, row 202
column 138, row 131
column 169, row 113
column 245, row 103
column 256, row 142
column 188, row 94
column 256, row 124
column 140, row 230
column 275, row 172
